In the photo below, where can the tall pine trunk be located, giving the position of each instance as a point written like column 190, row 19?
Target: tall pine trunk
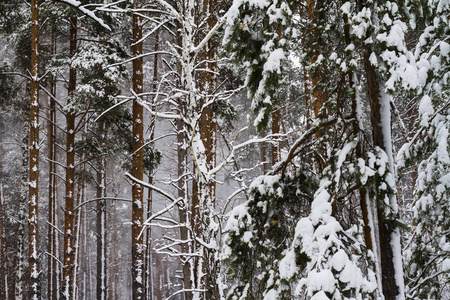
column 148, row 243
column 388, row 232
column 3, row 273
column 20, row 263
column 137, row 255
column 33, row 192
column 69, row 238
column 101, row 231
column 51, row 233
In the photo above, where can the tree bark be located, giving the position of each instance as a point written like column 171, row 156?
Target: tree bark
column 148, row 243
column 386, row 226
column 276, row 120
column 33, row 191
column 51, row 233
column 19, row 284
column 101, row 232
column 137, row 255
column 69, row 238
column 3, row 278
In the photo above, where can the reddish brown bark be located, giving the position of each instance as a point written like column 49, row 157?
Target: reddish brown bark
column 33, row 190
column 137, row 255
column 385, row 227
column 69, row 234
column 51, row 233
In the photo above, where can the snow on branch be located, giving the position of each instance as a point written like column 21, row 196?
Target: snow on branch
column 155, row 113
column 267, row 139
column 169, row 8
column 211, row 33
column 87, row 12
column 281, row 166
column 151, row 186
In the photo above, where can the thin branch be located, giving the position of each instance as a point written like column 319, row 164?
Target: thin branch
column 102, row 198
column 87, row 12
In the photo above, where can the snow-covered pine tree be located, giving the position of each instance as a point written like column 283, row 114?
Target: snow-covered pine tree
column 428, row 254
column 332, row 49
column 322, row 183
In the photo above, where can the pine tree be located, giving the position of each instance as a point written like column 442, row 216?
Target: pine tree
column 331, row 50
column 428, row 256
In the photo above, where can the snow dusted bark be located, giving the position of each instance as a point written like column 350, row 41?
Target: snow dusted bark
column 101, row 222
column 202, row 202
column 388, row 231
column 51, row 232
column 20, row 246
column 33, row 192
column 3, row 278
column 183, row 211
column 137, row 172
column 148, row 243
column 69, row 238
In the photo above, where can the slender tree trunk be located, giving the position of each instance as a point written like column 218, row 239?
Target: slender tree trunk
column 77, row 216
column 69, row 245
column 3, row 263
column 101, row 233
column 20, row 246
column 357, row 131
column 276, row 120
column 183, row 210
column 101, row 221
column 137, row 254
column 33, row 192
column 148, row 254
column 389, row 241
column 208, row 135
column 51, row 233
column 115, row 277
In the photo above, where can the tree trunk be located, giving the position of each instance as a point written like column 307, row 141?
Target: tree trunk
column 137, row 254
column 208, row 133
column 19, row 287
column 51, row 232
column 148, row 244
column 69, row 246
column 3, row 279
column 387, row 227
column 101, row 221
column 276, row 120
column 183, row 210
column 33, row 192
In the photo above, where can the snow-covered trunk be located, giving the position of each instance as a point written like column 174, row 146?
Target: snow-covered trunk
column 85, row 255
column 200, row 139
column 367, row 211
column 137, row 255
column 101, row 222
column 148, row 243
column 33, row 185
column 20, row 246
column 51, row 232
column 276, row 125
column 114, row 276
column 3, row 278
column 77, row 228
column 69, row 246
column 101, row 234
column 386, row 209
